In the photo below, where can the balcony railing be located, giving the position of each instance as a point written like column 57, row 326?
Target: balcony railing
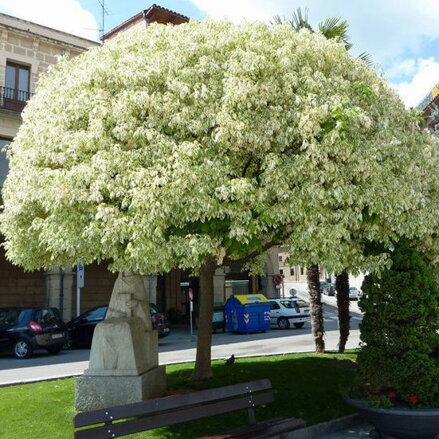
column 13, row 99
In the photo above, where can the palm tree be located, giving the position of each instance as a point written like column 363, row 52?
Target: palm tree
column 333, row 28
column 337, row 29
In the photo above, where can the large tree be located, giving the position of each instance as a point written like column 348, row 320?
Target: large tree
column 183, row 147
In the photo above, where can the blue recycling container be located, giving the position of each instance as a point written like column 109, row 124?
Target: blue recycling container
column 247, row 313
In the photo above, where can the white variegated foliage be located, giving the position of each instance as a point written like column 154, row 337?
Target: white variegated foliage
column 178, row 143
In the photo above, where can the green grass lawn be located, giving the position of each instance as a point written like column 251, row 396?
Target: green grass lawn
column 305, row 386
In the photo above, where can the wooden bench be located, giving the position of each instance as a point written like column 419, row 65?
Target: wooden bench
column 170, row 410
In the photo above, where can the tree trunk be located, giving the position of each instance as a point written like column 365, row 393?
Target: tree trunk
column 203, row 370
column 342, row 287
column 315, row 297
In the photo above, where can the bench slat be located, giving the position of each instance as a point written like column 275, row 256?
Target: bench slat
column 165, row 419
column 168, row 403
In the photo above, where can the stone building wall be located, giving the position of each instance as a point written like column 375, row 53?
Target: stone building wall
column 20, row 288
column 35, row 48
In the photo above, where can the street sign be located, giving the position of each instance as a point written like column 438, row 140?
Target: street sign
column 80, row 276
column 277, row 279
column 80, row 272
column 190, row 294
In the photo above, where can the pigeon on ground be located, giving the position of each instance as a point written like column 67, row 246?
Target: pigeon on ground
column 230, row 360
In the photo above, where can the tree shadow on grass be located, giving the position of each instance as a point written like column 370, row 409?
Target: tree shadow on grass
column 304, row 387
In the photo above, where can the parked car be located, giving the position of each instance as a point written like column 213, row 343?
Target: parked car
column 22, row 330
column 81, row 328
column 354, row 293
column 285, row 312
column 327, row 288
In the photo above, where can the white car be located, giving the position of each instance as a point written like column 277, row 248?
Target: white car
column 287, row 312
column 354, row 293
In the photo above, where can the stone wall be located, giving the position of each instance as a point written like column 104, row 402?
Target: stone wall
column 36, row 47
column 98, row 285
column 18, row 287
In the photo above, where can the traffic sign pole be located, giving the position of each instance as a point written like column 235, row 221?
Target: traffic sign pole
column 191, row 310
column 79, row 284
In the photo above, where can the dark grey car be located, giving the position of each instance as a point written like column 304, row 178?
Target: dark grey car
column 22, row 330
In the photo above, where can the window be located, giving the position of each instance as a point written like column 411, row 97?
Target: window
column 281, row 272
column 287, row 303
column 9, row 317
column 280, row 258
column 96, row 314
column 17, row 87
column 46, row 315
column 301, row 271
column 274, row 305
column 3, row 160
column 17, row 82
column 291, row 271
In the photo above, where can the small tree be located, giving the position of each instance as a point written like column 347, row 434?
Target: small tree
column 400, row 331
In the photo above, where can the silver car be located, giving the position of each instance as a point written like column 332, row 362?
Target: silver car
column 354, row 293
column 287, row 312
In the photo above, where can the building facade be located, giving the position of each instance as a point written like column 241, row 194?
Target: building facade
column 27, row 50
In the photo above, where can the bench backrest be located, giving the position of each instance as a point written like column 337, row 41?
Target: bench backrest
column 160, row 412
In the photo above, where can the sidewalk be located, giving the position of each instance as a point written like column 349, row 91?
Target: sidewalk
column 358, row 431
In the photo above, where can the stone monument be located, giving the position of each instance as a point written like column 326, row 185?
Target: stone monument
column 123, row 364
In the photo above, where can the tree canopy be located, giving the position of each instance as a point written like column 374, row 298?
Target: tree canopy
column 175, row 144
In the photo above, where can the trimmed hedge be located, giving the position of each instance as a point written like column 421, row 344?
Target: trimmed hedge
column 399, row 360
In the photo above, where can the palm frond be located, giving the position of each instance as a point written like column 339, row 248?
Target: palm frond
column 299, row 19
column 366, row 57
column 277, row 20
column 333, row 28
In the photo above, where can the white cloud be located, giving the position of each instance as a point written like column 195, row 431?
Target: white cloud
column 395, row 33
column 385, row 29
column 401, row 69
column 65, row 15
column 426, row 76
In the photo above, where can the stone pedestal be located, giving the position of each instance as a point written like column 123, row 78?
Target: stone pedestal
column 123, row 364
column 96, row 392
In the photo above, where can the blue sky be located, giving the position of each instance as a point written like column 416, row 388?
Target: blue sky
column 402, row 36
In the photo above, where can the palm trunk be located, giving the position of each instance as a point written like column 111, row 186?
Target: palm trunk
column 315, row 297
column 342, row 287
column 203, row 369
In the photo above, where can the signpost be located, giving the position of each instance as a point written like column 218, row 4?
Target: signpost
column 190, row 293
column 80, row 269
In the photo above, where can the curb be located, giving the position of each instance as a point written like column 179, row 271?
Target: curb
column 168, row 363
column 40, row 380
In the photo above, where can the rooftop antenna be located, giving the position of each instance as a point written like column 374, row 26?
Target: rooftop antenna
column 104, row 13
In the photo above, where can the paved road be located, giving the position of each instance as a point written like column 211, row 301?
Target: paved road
column 178, row 348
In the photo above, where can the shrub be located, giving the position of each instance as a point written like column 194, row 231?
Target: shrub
column 399, row 332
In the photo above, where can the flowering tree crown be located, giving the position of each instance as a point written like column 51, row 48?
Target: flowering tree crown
column 175, row 144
